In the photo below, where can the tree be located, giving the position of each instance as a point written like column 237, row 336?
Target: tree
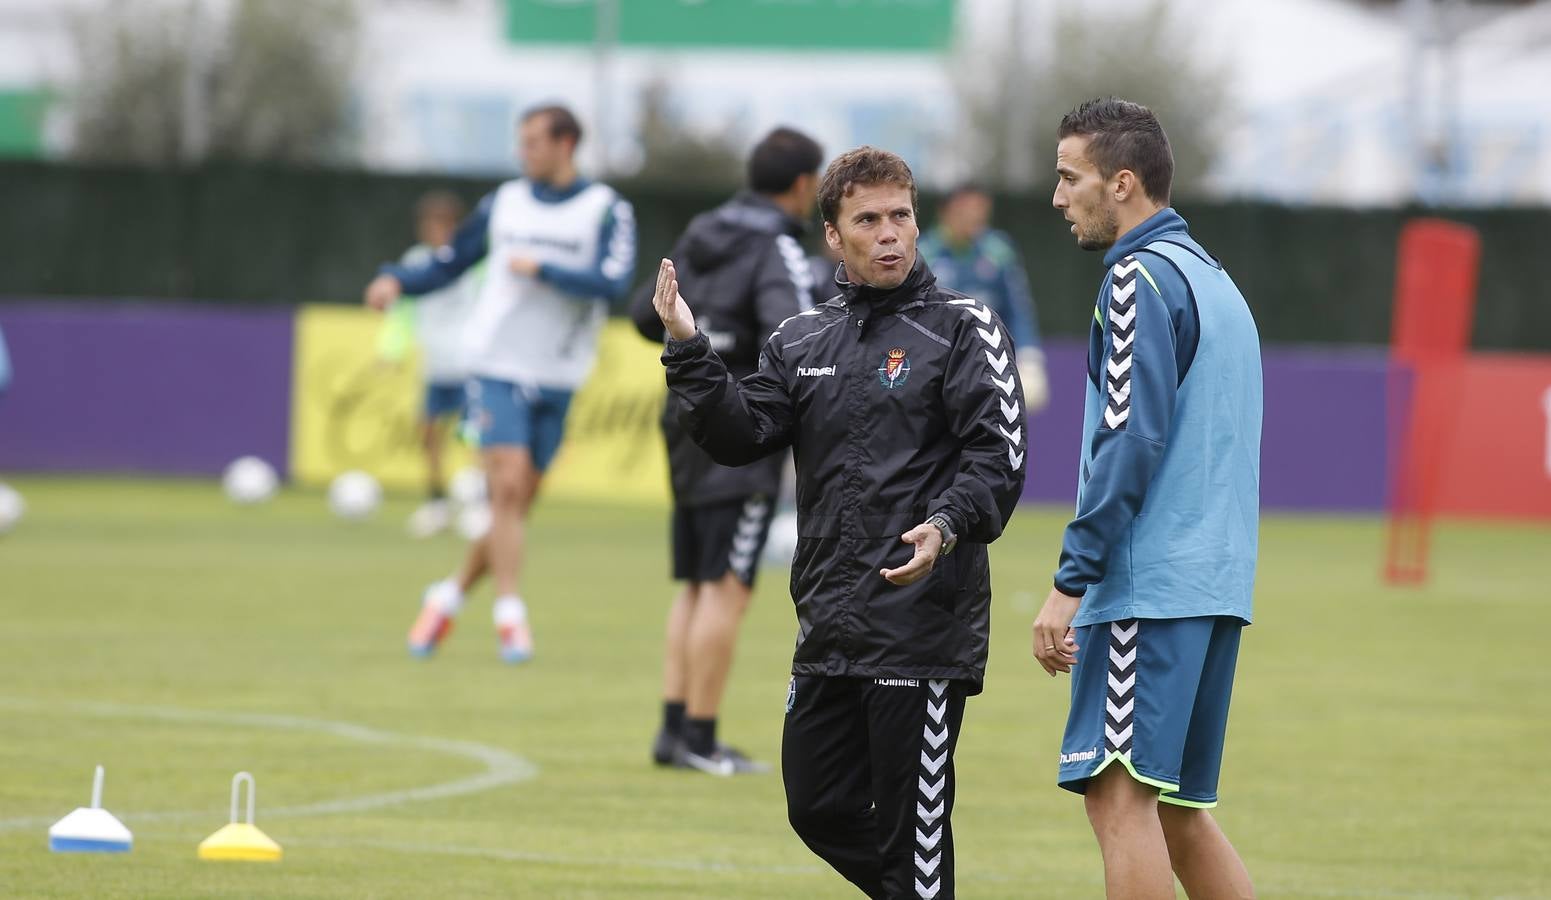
column 168, row 80
column 673, row 152
column 1015, row 92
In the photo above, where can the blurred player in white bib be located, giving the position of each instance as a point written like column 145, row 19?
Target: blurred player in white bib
column 434, row 322
column 559, row 248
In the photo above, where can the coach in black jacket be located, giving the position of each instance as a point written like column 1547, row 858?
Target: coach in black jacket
column 902, row 403
column 744, row 258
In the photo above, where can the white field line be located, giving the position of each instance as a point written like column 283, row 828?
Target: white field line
column 501, row 767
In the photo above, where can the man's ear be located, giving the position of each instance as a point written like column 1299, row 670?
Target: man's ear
column 832, row 236
column 1126, row 185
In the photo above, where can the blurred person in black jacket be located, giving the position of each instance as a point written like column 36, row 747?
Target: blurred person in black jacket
column 744, row 258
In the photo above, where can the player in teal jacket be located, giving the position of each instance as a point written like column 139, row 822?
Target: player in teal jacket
column 970, row 257
column 1158, row 566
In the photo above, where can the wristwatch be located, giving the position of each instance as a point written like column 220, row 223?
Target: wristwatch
column 949, row 539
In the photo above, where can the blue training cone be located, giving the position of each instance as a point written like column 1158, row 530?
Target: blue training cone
column 90, row 829
column 240, row 841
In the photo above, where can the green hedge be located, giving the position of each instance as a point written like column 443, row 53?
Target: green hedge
column 270, row 235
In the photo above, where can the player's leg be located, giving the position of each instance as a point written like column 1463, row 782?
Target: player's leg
column 512, row 480
column 1124, row 816
column 827, row 772
column 520, row 457
column 730, row 537
column 913, row 729
column 1132, row 691
column 1202, row 856
column 713, row 630
column 442, row 402
column 444, row 599
column 675, row 675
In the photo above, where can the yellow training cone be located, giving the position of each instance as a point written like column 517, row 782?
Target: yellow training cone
column 240, row 840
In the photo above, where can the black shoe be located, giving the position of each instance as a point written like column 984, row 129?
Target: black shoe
column 725, row 762
column 668, row 749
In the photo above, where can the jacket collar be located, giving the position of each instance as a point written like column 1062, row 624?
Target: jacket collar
column 757, row 212
column 1164, row 221
column 916, row 286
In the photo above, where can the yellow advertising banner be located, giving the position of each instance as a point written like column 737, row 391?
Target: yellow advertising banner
column 352, row 410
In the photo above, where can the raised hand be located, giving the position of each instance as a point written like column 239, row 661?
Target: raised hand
column 671, row 308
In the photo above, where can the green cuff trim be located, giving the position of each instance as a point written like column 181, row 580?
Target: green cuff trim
column 1181, row 801
column 1125, row 760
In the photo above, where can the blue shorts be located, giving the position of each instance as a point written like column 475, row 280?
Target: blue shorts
column 511, row 415
column 444, row 398
column 1152, row 694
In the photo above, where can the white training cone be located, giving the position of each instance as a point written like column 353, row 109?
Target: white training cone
column 240, row 840
column 90, row 829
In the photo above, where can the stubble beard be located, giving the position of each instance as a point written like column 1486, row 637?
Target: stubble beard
column 1101, row 233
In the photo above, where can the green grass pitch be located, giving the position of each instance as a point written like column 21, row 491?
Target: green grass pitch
column 1384, row 743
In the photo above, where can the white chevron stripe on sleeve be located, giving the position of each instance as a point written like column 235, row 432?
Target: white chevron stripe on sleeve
column 1126, row 266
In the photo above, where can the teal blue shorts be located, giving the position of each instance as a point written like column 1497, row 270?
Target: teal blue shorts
column 513, row 415
column 444, row 399
column 1152, row 695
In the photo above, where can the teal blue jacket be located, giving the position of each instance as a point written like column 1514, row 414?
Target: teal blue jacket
column 1168, row 500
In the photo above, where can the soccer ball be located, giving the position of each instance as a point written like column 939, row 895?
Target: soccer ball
column 468, row 487
column 474, row 521
column 354, row 495
column 249, row 480
column 11, row 508
column 782, row 542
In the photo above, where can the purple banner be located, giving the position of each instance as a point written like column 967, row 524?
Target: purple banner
column 183, row 390
column 1322, row 446
column 163, row 388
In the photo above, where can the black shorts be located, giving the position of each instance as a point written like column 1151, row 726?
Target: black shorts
column 710, row 541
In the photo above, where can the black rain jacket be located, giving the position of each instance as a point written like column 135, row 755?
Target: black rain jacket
column 897, row 404
column 743, row 264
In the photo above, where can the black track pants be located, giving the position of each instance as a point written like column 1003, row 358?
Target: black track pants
column 868, row 767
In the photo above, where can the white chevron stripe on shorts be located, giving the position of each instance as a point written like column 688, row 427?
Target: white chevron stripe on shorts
column 1120, row 691
column 745, row 539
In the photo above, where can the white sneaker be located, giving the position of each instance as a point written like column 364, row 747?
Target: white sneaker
column 432, row 518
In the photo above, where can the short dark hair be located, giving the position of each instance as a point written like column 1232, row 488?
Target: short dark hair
column 859, row 168
column 439, row 202
column 780, row 158
column 1124, row 135
column 562, row 122
column 965, row 189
